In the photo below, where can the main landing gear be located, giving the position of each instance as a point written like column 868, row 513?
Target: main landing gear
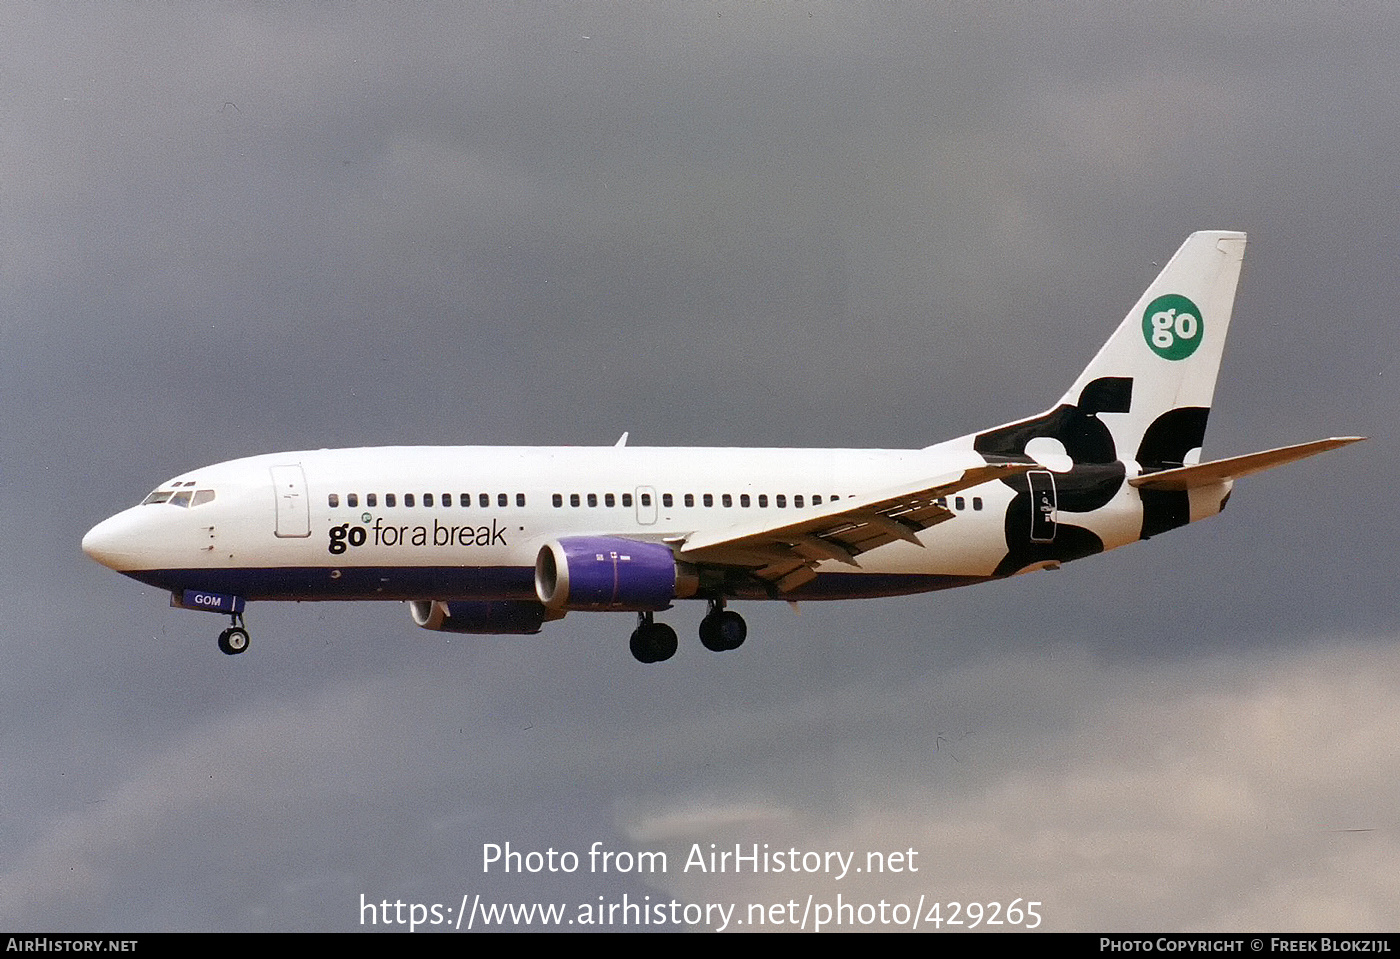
column 234, row 640
column 720, row 630
column 652, row 642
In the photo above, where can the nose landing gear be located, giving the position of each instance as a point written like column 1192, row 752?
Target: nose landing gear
column 234, row 640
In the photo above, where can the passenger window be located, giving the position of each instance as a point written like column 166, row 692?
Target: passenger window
column 558, row 500
column 727, row 500
column 666, row 500
column 573, row 499
column 626, row 499
column 976, row 502
column 592, row 499
column 646, row 499
column 744, row 500
column 609, row 500
column 446, row 499
column 408, row 499
column 762, row 500
column 332, row 500
column 797, row 501
column 959, row 503
column 390, row 499
column 352, row 499
column 709, row 499
column 780, row 501
column 943, row 501
column 817, row 500
column 690, row 500
column 519, row 499
column 484, row 499
column 427, row 499
column 502, row 499
column 371, row 499
column 202, row 496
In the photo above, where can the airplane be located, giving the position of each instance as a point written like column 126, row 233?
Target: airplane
column 502, row 540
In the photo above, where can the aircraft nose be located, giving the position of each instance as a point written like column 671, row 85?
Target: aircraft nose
column 112, row 542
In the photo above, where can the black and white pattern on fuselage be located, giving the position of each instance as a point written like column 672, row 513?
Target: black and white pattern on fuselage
column 1095, row 480
column 1164, row 446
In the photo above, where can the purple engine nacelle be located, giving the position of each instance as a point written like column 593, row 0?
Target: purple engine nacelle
column 609, row 572
column 498, row 618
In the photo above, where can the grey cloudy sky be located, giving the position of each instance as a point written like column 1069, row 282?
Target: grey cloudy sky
column 235, row 228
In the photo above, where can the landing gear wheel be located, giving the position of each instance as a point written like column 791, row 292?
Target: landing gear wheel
column 233, row 640
column 722, row 630
column 653, row 642
column 641, row 648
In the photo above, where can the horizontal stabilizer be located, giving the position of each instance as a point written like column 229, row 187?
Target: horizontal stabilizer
column 1219, row 471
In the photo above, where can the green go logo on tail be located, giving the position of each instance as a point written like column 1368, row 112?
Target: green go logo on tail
column 1172, row 326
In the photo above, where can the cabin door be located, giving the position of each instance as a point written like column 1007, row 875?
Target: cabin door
column 293, row 508
column 1043, row 507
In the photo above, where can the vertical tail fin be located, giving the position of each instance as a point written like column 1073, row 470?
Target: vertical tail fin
column 1157, row 371
column 1144, row 398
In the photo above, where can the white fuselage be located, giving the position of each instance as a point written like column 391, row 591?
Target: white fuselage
column 465, row 523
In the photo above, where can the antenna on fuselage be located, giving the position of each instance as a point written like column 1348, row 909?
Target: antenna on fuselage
column 621, row 441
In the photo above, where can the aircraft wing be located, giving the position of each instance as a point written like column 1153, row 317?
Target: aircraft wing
column 1218, row 471
column 786, row 554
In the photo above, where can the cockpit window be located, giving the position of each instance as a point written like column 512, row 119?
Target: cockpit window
column 183, row 498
